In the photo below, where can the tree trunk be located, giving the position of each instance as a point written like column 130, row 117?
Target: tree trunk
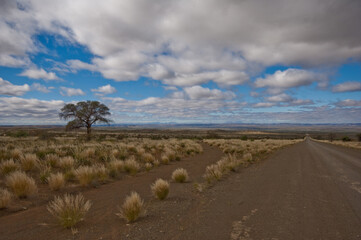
column 88, row 132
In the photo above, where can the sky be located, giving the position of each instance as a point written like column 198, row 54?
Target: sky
column 182, row 61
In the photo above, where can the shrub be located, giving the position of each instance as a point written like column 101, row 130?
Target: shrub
column 180, row 175
column 21, row 185
column 85, row 175
column 29, row 162
column 8, row 166
column 5, row 198
column 66, row 163
column 69, row 210
column 212, row 173
column 164, row 159
column 131, row 166
column 148, row 166
column 115, row 167
column 132, row 208
column 160, row 189
column 56, row 181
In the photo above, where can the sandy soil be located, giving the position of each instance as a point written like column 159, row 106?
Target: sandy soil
column 310, row 190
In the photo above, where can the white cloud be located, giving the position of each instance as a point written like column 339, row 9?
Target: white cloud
column 104, row 90
column 79, row 65
column 198, row 92
column 17, row 110
column 7, row 88
column 290, row 78
column 39, row 74
column 347, row 87
column 280, row 98
column 263, row 105
column 349, row 103
column 41, row 88
column 64, row 91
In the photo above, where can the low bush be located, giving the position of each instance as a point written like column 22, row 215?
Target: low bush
column 69, row 209
column 56, row 181
column 21, row 184
column 180, row 175
column 132, row 208
column 160, row 189
column 5, row 198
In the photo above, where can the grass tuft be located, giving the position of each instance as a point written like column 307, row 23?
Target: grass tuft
column 160, row 189
column 132, row 208
column 21, row 184
column 69, row 209
column 180, row 175
column 5, row 198
column 8, row 166
column 85, row 175
column 56, row 181
column 29, row 162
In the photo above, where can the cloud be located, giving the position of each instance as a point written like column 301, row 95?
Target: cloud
column 290, row 78
column 170, row 40
column 41, row 88
column 7, row 88
column 349, row 103
column 14, row 110
column 198, row 92
column 280, row 98
column 263, row 105
column 39, row 74
column 104, row 90
column 347, row 87
column 64, row 91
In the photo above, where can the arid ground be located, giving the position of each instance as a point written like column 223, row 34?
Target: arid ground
column 309, row 190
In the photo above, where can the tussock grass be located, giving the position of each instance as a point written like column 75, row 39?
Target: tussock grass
column 5, row 198
column 115, row 167
column 16, row 154
column 132, row 208
column 69, row 209
column 148, row 158
column 213, row 173
column 66, row 163
column 164, row 159
column 56, row 181
column 180, row 175
column 148, row 166
column 160, row 189
column 85, row 175
column 101, row 173
column 21, row 184
column 8, row 166
column 29, row 162
column 131, row 166
column 52, row 160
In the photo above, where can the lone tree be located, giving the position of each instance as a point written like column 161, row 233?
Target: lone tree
column 84, row 114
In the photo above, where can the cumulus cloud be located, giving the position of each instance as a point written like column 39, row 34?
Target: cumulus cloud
column 14, row 110
column 263, row 105
column 290, row 78
column 198, row 92
column 39, row 74
column 104, row 90
column 349, row 103
column 170, row 40
column 41, row 88
column 65, row 91
column 7, row 88
column 347, row 87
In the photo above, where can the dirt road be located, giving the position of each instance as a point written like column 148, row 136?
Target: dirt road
column 310, row 190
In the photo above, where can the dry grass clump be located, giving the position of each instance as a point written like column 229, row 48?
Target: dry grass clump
column 69, row 210
column 21, row 184
column 131, row 166
column 56, row 181
column 213, row 172
column 148, row 158
column 85, row 175
column 115, row 167
column 180, row 175
column 148, row 166
column 164, row 159
column 160, row 188
column 8, row 166
column 29, row 162
column 66, row 163
column 132, row 208
column 16, row 154
column 101, row 173
column 5, row 198
column 52, row 159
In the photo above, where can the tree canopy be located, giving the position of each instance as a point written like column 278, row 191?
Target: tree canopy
column 84, row 114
